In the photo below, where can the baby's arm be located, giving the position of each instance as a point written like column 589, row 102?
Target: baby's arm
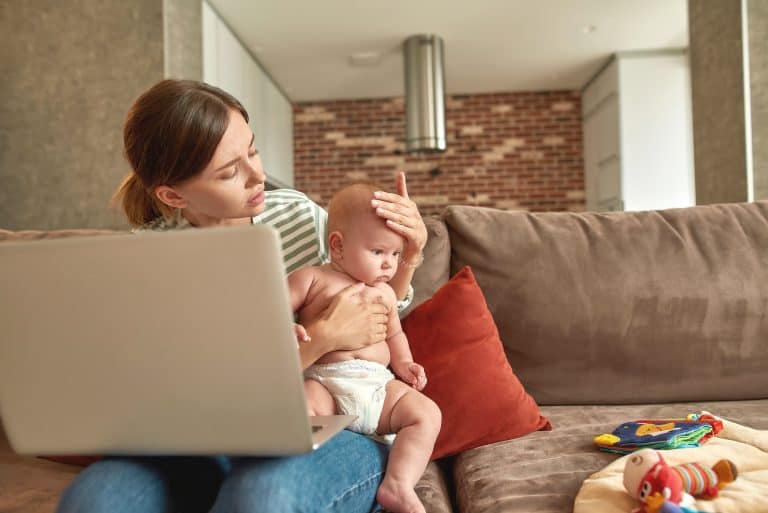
column 299, row 283
column 401, row 359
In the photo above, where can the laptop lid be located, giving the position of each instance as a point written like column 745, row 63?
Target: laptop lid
column 157, row 343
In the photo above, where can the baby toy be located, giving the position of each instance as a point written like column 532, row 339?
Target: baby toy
column 659, row 486
column 691, row 431
column 667, row 507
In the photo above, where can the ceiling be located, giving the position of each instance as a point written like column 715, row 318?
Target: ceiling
column 490, row 45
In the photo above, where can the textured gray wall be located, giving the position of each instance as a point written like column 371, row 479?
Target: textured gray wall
column 758, row 74
column 184, row 39
column 717, row 90
column 70, row 69
column 717, row 86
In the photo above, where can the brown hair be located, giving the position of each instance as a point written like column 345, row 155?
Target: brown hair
column 170, row 135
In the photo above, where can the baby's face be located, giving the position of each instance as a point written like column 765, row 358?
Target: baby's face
column 371, row 251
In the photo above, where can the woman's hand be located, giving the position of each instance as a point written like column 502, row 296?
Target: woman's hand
column 350, row 322
column 402, row 216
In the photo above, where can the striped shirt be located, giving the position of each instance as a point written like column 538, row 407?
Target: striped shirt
column 301, row 223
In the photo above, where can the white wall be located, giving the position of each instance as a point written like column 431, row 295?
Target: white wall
column 600, row 111
column 228, row 65
column 638, row 133
column 656, row 131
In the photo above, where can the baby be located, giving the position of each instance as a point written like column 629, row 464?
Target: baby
column 358, row 382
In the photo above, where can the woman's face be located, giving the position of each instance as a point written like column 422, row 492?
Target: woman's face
column 230, row 189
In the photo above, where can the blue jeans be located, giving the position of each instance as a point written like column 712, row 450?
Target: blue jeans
column 342, row 475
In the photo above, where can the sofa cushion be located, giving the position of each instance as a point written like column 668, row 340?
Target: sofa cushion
column 434, row 491
column 434, row 272
column 30, row 484
column 544, row 471
column 453, row 336
column 630, row 307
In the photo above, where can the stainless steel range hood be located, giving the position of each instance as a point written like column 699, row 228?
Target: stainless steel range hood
column 424, row 94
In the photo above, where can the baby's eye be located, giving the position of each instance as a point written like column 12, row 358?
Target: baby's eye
column 377, row 252
column 397, row 253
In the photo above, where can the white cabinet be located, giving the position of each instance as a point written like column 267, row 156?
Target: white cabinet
column 638, row 148
column 252, row 99
column 228, row 65
column 278, row 139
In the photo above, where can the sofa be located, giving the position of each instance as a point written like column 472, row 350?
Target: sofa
column 604, row 318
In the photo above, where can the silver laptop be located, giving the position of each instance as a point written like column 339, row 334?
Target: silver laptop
column 155, row 343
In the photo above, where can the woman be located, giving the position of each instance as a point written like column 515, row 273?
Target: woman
column 195, row 165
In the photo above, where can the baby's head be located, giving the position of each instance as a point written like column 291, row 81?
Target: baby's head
column 360, row 242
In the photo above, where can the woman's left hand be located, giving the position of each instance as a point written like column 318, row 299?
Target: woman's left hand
column 402, row 216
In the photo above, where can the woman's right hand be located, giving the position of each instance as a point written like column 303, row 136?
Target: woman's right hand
column 351, row 321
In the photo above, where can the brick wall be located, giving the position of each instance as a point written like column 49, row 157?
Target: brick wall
column 508, row 150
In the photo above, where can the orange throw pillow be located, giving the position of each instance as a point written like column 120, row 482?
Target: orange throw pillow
column 80, row 461
column 454, row 337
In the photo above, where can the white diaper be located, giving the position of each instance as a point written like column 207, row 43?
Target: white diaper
column 358, row 387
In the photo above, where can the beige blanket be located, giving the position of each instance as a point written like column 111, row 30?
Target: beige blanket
column 603, row 492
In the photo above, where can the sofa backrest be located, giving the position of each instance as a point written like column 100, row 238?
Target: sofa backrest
column 10, row 235
column 630, row 307
column 435, row 271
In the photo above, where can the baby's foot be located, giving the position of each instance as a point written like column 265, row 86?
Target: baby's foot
column 396, row 498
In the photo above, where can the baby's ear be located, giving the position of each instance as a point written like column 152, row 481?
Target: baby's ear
column 336, row 243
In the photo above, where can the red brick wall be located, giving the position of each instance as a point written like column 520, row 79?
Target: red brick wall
column 507, row 150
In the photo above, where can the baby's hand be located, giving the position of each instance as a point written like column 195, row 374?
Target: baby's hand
column 411, row 373
column 301, row 334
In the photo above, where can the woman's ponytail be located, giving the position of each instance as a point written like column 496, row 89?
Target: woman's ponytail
column 139, row 205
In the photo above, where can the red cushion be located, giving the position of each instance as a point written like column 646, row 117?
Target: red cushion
column 81, row 461
column 454, row 337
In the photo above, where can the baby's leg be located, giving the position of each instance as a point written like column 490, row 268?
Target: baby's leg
column 319, row 399
column 416, row 420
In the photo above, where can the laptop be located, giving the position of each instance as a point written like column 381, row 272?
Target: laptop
column 155, row 343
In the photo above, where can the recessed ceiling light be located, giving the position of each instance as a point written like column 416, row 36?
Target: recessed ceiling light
column 364, row 58
column 589, row 29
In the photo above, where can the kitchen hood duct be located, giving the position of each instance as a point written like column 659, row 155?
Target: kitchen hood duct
column 424, row 94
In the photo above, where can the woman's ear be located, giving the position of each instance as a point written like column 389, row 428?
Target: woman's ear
column 170, row 197
column 336, row 244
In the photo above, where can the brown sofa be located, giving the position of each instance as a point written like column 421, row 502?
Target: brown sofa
column 604, row 318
